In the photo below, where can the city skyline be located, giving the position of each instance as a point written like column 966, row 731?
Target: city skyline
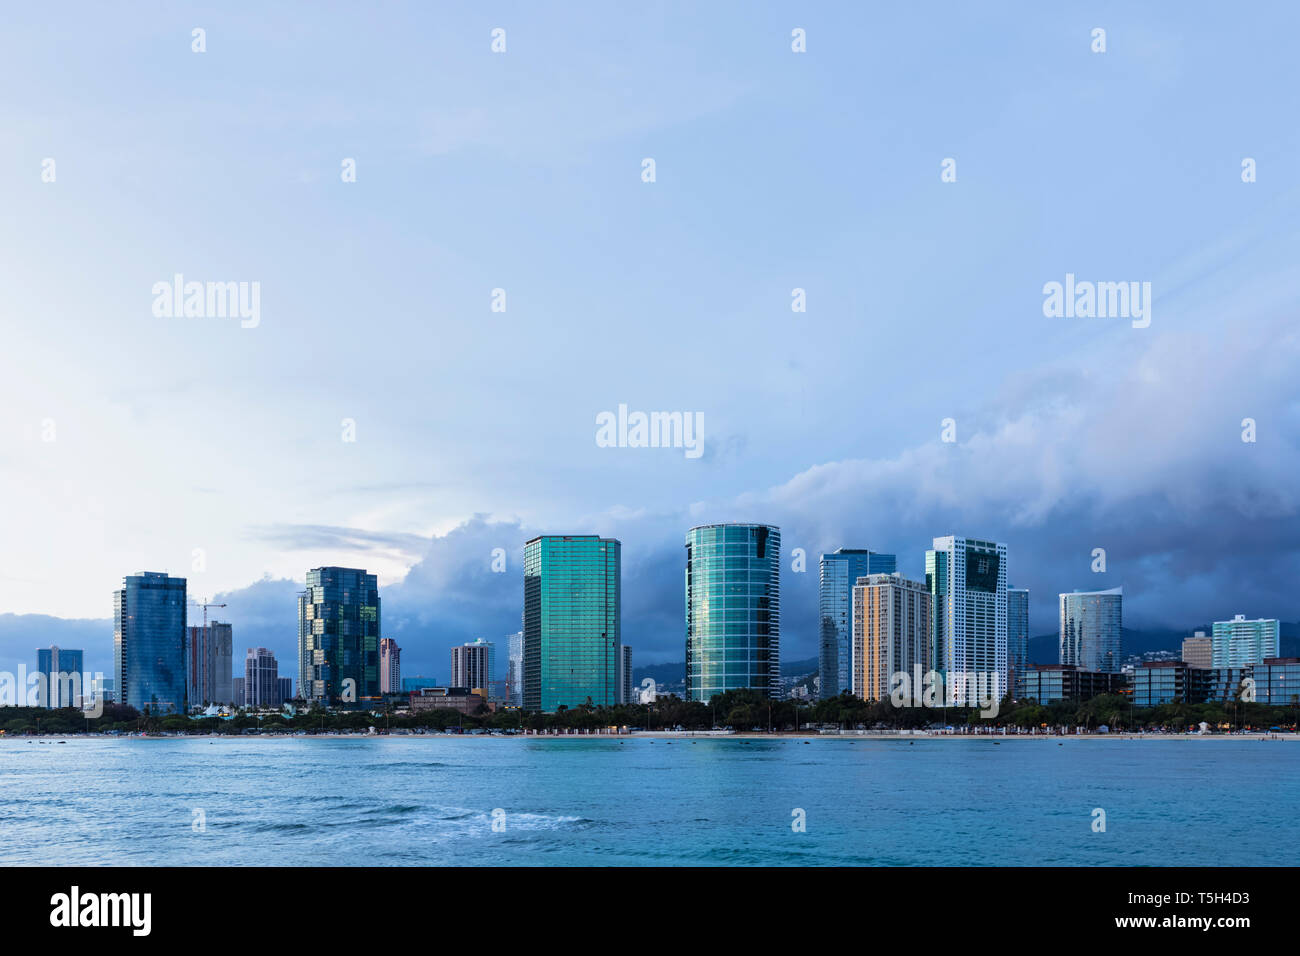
column 429, row 653
column 1069, row 434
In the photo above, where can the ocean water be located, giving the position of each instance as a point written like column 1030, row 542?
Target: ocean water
column 593, row 801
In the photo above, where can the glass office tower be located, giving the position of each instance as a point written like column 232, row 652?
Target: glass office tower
column 1017, row 637
column 733, row 609
column 61, row 678
column 338, row 638
column 149, row 643
column 1092, row 629
column 839, row 572
column 572, row 601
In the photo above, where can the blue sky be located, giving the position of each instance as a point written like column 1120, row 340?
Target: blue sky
column 522, row 170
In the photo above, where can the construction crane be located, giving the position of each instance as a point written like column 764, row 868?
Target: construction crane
column 205, row 607
column 200, row 678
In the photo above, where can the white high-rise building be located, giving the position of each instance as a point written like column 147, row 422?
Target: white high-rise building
column 1239, row 642
column 261, row 679
column 515, row 669
column 968, row 580
column 472, row 666
column 390, row 666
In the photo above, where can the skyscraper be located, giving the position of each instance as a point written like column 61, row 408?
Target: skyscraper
column 968, row 579
column 149, row 642
column 1017, row 636
column 338, row 637
column 284, row 692
column 572, row 602
column 208, row 664
column 839, row 573
column 473, row 665
column 625, row 675
column 261, row 679
column 515, row 669
column 61, row 680
column 1092, row 629
column 1239, row 642
column 390, row 666
column 892, row 633
column 733, row 609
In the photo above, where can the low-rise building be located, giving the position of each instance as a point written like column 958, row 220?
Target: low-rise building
column 1277, row 681
column 1050, row 683
column 463, row 699
column 1165, row 682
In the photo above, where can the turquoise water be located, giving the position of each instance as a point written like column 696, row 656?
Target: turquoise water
column 430, row 801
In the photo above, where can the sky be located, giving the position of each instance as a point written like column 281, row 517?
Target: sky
column 135, row 441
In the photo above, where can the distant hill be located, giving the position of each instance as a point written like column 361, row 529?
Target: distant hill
column 799, row 668
column 661, row 674
column 1045, row 649
column 668, row 675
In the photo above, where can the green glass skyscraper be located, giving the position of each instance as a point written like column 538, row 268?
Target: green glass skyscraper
column 338, row 637
column 572, row 601
column 733, row 609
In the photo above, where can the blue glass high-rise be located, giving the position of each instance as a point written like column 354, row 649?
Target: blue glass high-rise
column 1092, row 629
column 149, row 642
column 1017, row 637
column 733, row 609
column 839, row 572
column 61, row 677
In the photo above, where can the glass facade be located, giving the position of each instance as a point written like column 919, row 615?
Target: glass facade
column 572, row 603
column 1277, row 681
column 1092, row 629
column 1164, row 682
column 149, row 643
column 625, row 690
column 839, row 571
column 1017, row 635
column 1066, row 682
column 515, row 669
column 1219, row 683
column 733, row 609
column 338, row 638
column 61, row 677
